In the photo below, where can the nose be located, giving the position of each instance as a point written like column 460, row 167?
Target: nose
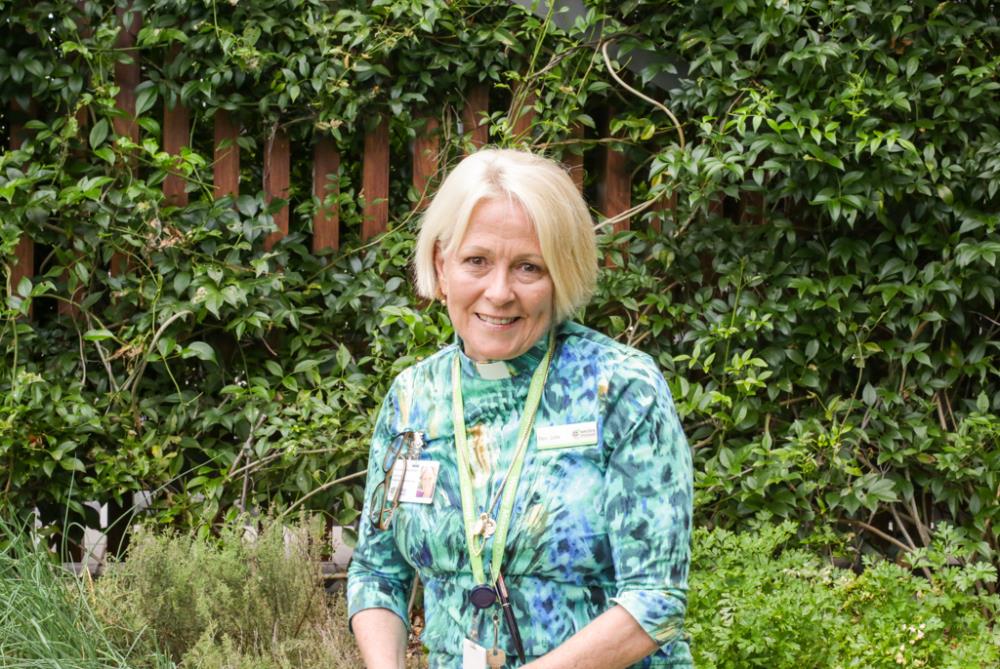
column 499, row 289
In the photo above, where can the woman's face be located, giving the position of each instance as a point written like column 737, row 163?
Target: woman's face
column 496, row 285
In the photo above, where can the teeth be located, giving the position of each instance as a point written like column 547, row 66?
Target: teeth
column 496, row 321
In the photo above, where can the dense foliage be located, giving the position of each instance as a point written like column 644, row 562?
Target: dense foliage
column 756, row 601
column 822, row 298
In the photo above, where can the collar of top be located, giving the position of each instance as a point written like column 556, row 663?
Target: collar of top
column 523, row 366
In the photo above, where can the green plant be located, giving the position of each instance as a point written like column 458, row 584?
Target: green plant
column 756, row 600
column 45, row 616
column 818, row 279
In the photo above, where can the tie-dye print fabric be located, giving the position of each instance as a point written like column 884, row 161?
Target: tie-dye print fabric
column 593, row 526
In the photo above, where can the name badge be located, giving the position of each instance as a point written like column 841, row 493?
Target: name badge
column 418, row 484
column 565, row 436
column 473, row 655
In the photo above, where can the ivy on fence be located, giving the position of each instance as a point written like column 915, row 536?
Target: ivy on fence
column 816, row 269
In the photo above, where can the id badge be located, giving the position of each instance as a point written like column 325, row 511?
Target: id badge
column 473, row 655
column 419, row 483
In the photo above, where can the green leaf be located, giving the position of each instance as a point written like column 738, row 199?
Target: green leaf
column 98, row 335
column 181, row 281
column 24, row 286
column 200, row 350
column 98, row 133
column 145, row 99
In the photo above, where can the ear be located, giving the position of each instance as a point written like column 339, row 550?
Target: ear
column 442, row 280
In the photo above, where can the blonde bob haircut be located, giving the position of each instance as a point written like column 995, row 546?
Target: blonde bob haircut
column 549, row 198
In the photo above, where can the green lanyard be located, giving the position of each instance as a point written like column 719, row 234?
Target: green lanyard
column 513, row 474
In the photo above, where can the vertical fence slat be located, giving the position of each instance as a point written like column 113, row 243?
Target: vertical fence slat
column 524, row 117
column 126, row 79
column 277, row 165
column 477, row 104
column 574, row 161
column 616, row 196
column 752, row 208
column 127, row 74
column 426, row 149
column 663, row 211
column 326, row 220
column 226, row 165
column 24, row 252
column 176, row 131
column 375, row 181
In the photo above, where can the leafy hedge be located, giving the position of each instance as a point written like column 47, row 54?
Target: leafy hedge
column 756, row 601
column 822, row 298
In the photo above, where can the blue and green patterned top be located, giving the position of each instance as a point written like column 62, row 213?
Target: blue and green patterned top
column 594, row 525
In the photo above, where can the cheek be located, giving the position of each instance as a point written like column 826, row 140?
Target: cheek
column 542, row 298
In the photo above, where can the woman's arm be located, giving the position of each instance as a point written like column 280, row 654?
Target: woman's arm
column 381, row 637
column 612, row 640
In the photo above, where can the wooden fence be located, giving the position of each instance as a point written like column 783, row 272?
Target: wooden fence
column 613, row 177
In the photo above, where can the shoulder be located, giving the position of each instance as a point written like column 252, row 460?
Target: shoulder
column 431, row 369
column 615, row 360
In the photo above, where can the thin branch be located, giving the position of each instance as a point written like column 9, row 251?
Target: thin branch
column 879, row 533
column 247, row 446
column 133, row 380
column 659, row 105
column 325, row 486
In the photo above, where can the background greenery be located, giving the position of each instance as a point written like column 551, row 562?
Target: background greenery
column 822, row 299
column 756, row 601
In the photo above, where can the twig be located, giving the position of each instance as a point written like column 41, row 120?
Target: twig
column 247, row 445
column 133, row 380
column 925, row 536
column 879, row 533
column 104, row 358
column 627, row 213
column 325, row 486
column 909, row 539
column 659, row 105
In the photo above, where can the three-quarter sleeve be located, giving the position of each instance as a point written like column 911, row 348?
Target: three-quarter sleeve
column 648, row 502
column 378, row 576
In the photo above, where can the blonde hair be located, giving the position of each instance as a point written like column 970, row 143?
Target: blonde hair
column 548, row 196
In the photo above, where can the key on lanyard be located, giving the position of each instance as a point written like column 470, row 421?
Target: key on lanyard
column 496, row 658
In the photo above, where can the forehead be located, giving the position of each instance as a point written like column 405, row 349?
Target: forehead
column 501, row 223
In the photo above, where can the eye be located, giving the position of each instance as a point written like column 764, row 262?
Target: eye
column 476, row 261
column 530, row 268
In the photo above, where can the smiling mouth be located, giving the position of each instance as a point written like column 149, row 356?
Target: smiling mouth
column 491, row 320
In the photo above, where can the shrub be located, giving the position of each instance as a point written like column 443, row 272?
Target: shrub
column 46, row 617
column 241, row 600
column 758, row 601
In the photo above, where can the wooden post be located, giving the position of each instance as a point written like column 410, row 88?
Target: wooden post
column 83, row 27
column 176, row 132
column 127, row 74
column 375, row 181
column 574, row 161
column 24, row 253
column 226, row 165
column 326, row 220
column 616, row 196
column 477, row 104
column 524, row 117
column 127, row 79
column 752, row 208
column 426, row 150
column 663, row 210
column 277, row 165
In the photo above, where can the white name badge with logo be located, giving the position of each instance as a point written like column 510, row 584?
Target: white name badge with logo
column 473, row 655
column 565, row 436
column 418, row 484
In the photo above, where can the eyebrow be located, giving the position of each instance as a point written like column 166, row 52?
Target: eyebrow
column 476, row 250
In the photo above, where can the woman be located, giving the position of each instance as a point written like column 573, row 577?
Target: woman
column 560, row 521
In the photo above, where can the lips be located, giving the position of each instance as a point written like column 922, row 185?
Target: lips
column 493, row 320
